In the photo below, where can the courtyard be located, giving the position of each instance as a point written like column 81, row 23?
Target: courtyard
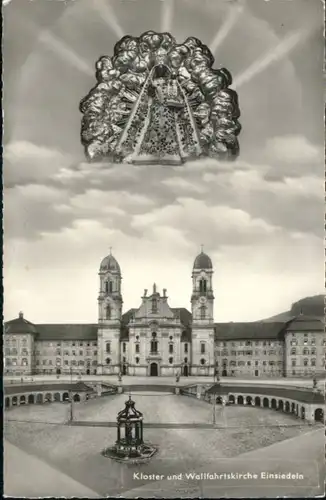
column 41, row 431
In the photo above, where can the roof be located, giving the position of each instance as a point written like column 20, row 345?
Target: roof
column 249, row 331
column 19, row 325
column 305, row 323
column 302, row 395
column 202, row 261
column 67, row 331
column 183, row 314
column 110, row 263
column 17, row 389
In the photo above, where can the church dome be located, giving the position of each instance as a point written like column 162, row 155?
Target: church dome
column 109, row 263
column 202, row 261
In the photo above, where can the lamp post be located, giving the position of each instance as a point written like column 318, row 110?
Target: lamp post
column 214, row 410
column 71, row 412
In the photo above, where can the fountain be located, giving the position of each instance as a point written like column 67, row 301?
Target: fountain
column 130, row 446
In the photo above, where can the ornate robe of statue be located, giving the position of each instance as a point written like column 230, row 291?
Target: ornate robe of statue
column 161, row 128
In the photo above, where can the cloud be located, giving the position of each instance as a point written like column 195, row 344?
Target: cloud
column 293, row 149
column 25, row 162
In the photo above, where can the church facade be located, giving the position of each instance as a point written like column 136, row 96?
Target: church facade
column 156, row 339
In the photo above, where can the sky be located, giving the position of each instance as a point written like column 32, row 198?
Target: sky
column 260, row 218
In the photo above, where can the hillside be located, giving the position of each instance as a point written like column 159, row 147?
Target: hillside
column 309, row 306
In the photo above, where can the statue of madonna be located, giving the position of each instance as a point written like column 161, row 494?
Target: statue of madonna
column 161, row 128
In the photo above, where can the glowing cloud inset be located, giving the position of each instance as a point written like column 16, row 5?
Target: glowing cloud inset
column 157, row 101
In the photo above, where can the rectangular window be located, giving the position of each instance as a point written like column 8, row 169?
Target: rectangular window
column 171, row 348
column 80, row 353
column 186, row 348
column 202, row 348
column 123, row 347
column 137, row 347
column 154, row 346
column 108, row 347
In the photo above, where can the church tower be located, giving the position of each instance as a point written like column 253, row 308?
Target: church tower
column 202, row 308
column 109, row 316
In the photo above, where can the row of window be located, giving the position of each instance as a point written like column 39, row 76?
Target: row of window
column 73, row 352
column 306, row 342
column 249, row 343
column 66, row 362
column 14, row 352
column 271, row 352
column 305, row 362
column 305, row 351
column 153, row 345
column 251, row 363
column 15, row 362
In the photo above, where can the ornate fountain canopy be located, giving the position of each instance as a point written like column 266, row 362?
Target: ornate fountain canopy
column 129, row 413
column 154, row 87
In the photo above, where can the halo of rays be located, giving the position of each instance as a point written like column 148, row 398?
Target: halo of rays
column 232, row 18
column 167, row 15
column 106, row 12
column 276, row 54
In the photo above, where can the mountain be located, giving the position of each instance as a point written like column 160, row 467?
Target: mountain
column 309, row 306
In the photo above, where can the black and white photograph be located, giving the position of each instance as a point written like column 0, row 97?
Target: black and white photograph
column 163, row 257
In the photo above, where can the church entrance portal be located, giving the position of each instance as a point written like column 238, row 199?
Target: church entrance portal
column 58, row 371
column 224, row 373
column 153, row 370
column 185, row 371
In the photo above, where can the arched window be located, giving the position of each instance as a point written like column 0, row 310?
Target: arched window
column 293, row 361
column 305, row 351
column 313, row 352
column 203, row 285
column 81, row 362
column 202, row 312
column 108, row 361
column 170, row 361
column 24, row 361
column 202, row 361
column 106, row 287
column 305, row 362
column 202, row 348
column 108, row 311
column 186, row 360
column 313, row 362
column 58, row 361
column 108, row 347
column 137, row 348
column 154, row 306
column 137, row 360
column 171, row 348
column 293, row 351
column 154, row 345
column 186, row 348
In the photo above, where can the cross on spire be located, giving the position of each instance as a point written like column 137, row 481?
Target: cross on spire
column 110, row 250
column 202, row 248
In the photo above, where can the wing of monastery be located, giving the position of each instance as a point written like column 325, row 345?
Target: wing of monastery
column 158, row 340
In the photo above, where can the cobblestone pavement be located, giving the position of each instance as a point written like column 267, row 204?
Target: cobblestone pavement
column 76, row 451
